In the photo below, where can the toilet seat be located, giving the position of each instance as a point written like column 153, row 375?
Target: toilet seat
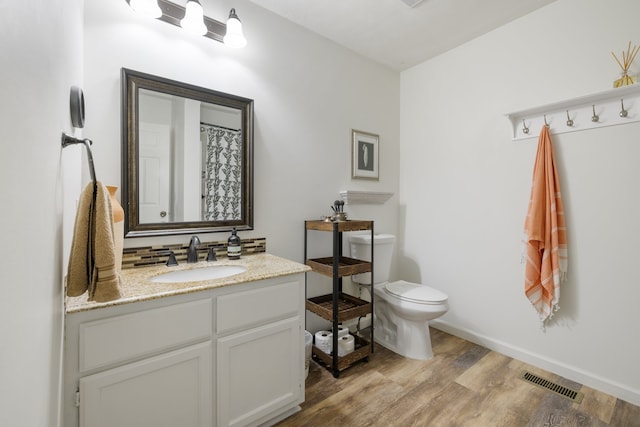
column 415, row 293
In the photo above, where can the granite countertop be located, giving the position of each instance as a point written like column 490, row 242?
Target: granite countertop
column 136, row 285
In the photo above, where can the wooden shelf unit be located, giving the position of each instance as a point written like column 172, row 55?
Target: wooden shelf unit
column 346, row 266
column 362, row 351
column 349, row 307
column 338, row 306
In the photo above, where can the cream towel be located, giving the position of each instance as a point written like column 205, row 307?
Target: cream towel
column 92, row 259
column 546, row 235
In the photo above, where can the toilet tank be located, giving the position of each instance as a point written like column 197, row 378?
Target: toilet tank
column 360, row 245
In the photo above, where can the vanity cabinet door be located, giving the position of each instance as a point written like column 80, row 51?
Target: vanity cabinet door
column 259, row 372
column 172, row 389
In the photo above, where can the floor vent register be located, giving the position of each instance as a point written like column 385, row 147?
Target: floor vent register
column 553, row 387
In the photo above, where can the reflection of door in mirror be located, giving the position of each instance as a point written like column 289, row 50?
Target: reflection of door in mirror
column 155, row 152
column 169, row 141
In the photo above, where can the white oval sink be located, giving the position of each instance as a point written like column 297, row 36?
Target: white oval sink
column 199, row 274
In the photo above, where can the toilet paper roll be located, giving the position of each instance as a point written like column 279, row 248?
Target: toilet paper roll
column 342, row 331
column 324, row 341
column 346, row 345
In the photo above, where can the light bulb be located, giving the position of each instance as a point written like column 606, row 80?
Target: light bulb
column 193, row 20
column 234, row 36
column 146, row 7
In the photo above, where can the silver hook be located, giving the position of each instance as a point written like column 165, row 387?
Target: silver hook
column 595, row 117
column 545, row 121
column 525, row 129
column 569, row 121
column 623, row 112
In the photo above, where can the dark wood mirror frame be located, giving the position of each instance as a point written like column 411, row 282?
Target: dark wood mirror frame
column 132, row 82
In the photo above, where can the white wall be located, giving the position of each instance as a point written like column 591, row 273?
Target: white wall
column 464, row 188
column 309, row 93
column 40, row 53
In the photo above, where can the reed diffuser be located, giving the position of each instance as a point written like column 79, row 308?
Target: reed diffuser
column 627, row 59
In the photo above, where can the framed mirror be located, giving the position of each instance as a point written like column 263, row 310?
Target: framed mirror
column 187, row 158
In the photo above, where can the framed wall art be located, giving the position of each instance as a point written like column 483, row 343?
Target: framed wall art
column 365, row 155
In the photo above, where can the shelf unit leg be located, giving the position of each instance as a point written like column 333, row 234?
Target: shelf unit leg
column 371, row 290
column 337, row 282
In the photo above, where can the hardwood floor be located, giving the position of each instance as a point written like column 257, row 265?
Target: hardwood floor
column 463, row 385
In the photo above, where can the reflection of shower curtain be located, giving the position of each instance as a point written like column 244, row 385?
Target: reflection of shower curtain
column 222, row 189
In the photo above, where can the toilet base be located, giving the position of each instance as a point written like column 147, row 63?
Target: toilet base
column 406, row 338
column 403, row 326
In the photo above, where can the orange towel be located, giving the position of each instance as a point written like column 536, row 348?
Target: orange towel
column 546, row 236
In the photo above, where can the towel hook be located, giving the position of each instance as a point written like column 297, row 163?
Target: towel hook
column 595, row 117
column 623, row 112
column 545, row 121
column 569, row 121
column 525, row 129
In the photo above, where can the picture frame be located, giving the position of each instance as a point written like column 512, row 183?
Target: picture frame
column 365, row 156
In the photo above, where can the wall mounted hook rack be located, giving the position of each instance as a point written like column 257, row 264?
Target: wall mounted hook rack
column 609, row 108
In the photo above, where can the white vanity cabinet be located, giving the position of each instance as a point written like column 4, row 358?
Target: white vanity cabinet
column 259, row 368
column 227, row 356
column 172, row 389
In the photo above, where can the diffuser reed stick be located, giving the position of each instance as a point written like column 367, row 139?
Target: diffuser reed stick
column 627, row 59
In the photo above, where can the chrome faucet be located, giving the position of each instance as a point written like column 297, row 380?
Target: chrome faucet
column 192, row 252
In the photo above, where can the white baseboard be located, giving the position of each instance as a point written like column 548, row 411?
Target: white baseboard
column 586, row 378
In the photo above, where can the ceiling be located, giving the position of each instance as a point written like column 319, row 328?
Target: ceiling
column 395, row 34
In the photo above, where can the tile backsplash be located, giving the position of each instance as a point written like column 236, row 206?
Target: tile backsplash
column 154, row 255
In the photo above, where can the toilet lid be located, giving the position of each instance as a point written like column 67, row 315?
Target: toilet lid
column 416, row 293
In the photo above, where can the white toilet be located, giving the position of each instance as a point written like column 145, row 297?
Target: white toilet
column 402, row 309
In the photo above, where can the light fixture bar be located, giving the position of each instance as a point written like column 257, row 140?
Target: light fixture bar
column 173, row 13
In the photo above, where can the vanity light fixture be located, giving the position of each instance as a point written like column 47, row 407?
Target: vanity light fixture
column 192, row 19
column 234, row 36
